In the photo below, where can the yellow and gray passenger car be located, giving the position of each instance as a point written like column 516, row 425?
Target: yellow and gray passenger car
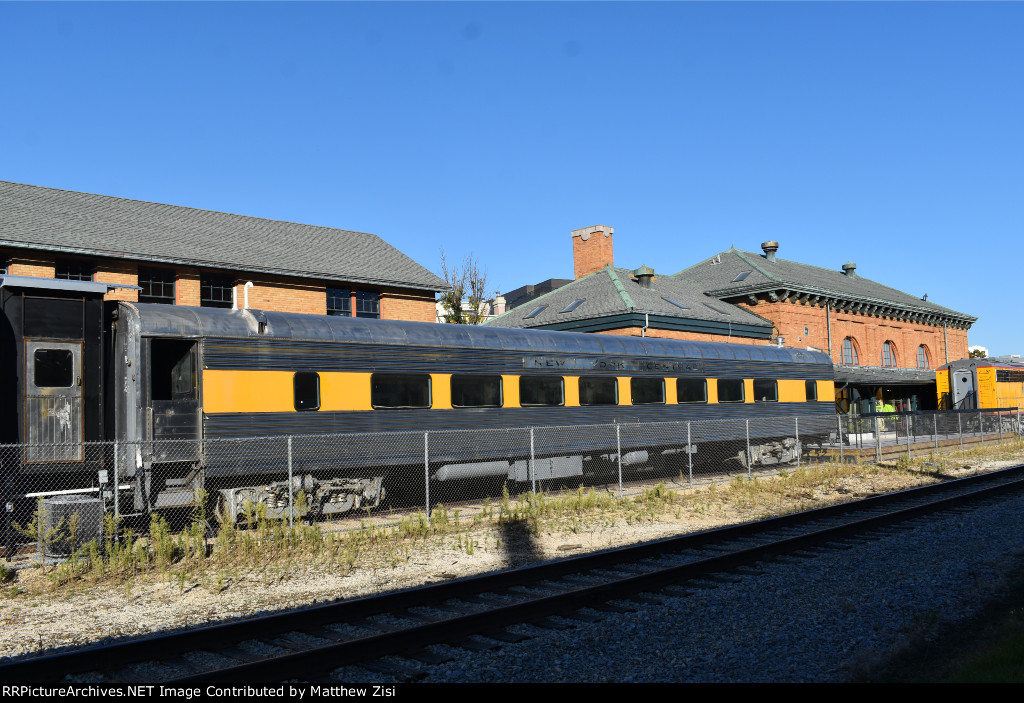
column 200, row 376
column 177, row 389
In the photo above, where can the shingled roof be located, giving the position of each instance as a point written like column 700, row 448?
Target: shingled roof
column 33, row 217
column 782, row 279
column 611, row 299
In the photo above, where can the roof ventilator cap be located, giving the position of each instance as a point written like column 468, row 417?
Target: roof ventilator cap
column 643, row 275
column 769, row 248
column 850, row 269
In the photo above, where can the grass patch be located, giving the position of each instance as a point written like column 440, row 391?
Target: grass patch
column 267, row 551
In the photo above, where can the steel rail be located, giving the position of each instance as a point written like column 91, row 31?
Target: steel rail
column 309, row 619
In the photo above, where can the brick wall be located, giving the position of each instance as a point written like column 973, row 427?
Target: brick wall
column 186, row 289
column 417, row 306
column 592, row 249
column 869, row 334
column 114, row 271
column 283, row 294
column 31, row 264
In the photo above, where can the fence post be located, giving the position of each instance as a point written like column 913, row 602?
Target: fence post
column 960, row 430
column 1018, row 425
column 796, row 428
column 839, row 436
column 749, row 458
column 910, row 425
column 291, row 487
column 618, row 454
column 117, row 484
column 426, row 471
column 878, row 440
column 689, row 450
column 981, row 427
column 533, row 466
column 935, row 429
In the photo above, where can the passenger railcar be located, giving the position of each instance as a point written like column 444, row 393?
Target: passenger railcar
column 172, row 385
column 980, row 384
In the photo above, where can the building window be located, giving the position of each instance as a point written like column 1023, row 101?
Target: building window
column 74, row 270
column 339, row 302
column 889, row 355
column 850, row 352
column 5, row 265
column 157, row 285
column 922, row 358
column 367, row 304
column 215, row 291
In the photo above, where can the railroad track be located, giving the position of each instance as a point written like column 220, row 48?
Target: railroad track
column 394, row 633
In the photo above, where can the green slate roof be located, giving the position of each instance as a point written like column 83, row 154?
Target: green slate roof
column 717, row 276
column 613, row 299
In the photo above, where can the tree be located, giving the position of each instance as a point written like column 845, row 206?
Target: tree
column 465, row 300
column 976, row 351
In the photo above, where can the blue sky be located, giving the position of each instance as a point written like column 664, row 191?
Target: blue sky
column 889, row 134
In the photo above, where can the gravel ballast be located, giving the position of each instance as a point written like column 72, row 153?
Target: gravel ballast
column 825, row 619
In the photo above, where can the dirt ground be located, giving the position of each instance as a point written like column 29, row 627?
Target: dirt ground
column 37, row 617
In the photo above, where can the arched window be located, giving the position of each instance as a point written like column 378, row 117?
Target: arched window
column 889, row 355
column 850, row 352
column 923, row 361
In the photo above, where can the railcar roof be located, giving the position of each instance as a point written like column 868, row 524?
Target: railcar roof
column 171, row 320
column 984, row 363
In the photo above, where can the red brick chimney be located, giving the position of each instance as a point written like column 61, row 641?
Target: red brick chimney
column 592, row 249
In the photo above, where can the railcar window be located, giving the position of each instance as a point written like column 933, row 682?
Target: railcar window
column 172, row 364
column 812, row 389
column 597, row 390
column 400, row 390
column 541, row 390
column 307, row 390
column 476, row 391
column 54, row 368
column 765, row 390
column 692, row 390
column 730, row 390
column 648, row 391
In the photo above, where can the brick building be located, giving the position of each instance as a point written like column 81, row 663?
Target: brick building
column 184, row 256
column 885, row 343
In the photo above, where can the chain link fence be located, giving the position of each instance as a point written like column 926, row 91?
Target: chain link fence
column 310, row 477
